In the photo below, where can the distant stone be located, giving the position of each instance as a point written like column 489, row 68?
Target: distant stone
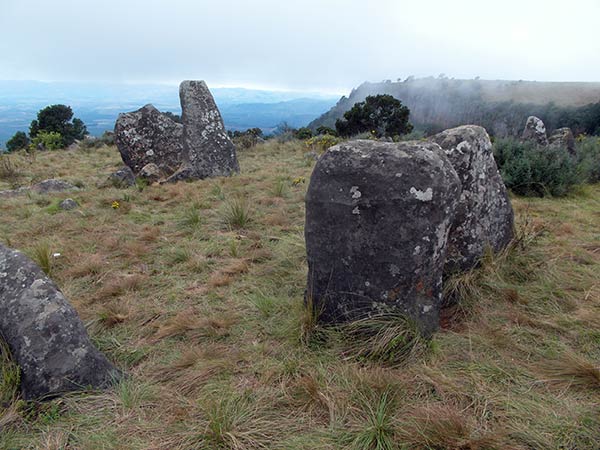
column 68, row 204
column 52, row 186
column 563, row 138
column 122, row 178
column 43, row 187
column 535, row 131
column 151, row 173
column 484, row 216
column 148, row 136
column 207, row 149
column 44, row 333
column 377, row 222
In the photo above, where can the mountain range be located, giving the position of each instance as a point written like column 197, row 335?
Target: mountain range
column 99, row 104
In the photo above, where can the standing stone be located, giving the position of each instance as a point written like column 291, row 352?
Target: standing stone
column 535, row 131
column 148, row 136
column 44, row 333
column 563, row 138
column 208, row 151
column 484, row 216
column 377, row 221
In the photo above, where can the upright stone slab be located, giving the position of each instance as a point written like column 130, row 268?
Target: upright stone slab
column 44, row 333
column 535, row 131
column 377, row 222
column 484, row 216
column 147, row 136
column 208, row 151
column 563, row 138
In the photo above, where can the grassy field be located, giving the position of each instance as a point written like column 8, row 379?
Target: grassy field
column 196, row 289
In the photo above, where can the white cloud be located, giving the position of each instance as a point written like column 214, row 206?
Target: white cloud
column 332, row 44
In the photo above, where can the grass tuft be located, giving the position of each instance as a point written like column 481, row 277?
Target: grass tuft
column 237, row 213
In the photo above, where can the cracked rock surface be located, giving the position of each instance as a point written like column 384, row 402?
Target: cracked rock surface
column 484, row 216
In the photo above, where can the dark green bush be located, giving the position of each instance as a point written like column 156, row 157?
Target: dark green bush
column 530, row 170
column 381, row 115
column 304, row 133
column 58, row 119
column 18, row 142
column 588, row 158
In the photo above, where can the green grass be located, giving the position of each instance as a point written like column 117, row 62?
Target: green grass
column 197, row 291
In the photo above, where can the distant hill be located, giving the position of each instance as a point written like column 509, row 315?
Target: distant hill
column 501, row 106
column 99, row 104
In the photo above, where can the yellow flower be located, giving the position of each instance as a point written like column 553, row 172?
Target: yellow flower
column 298, row 180
column 115, row 205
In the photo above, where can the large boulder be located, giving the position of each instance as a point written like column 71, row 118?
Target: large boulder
column 148, row 136
column 208, row 151
column 535, row 131
column 484, row 217
column 44, row 333
column 563, row 138
column 377, row 221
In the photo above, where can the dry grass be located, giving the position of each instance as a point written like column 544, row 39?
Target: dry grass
column 208, row 317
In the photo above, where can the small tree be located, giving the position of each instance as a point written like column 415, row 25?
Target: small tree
column 57, row 119
column 18, row 142
column 303, row 133
column 382, row 115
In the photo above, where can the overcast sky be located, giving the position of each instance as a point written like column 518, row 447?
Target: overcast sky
column 329, row 45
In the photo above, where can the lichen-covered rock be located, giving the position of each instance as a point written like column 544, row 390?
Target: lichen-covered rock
column 43, row 188
column 208, row 151
column 52, row 186
column 563, row 138
column 68, row 204
column 148, row 136
column 44, row 333
column 151, row 173
column 535, row 131
column 121, row 179
column 377, row 222
column 484, row 216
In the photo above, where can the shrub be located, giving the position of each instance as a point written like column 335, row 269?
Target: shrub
column 383, row 115
column 530, row 170
column 588, row 158
column 18, row 142
column 58, row 119
column 304, row 133
column 326, row 130
column 49, row 140
column 322, row 142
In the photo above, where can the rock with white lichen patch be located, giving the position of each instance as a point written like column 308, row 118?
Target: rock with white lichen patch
column 377, row 221
column 44, row 333
column 207, row 149
column 535, row 131
column 484, row 216
column 563, row 138
column 147, row 136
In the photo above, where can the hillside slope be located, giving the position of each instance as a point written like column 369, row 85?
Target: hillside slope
column 500, row 106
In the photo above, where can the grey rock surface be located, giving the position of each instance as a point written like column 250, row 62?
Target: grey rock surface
column 44, row 333
column 148, row 136
column 52, row 186
column 484, row 216
column 43, row 187
column 377, row 222
column 122, row 178
column 68, row 204
column 535, row 131
column 208, row 151
column 563, row 138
